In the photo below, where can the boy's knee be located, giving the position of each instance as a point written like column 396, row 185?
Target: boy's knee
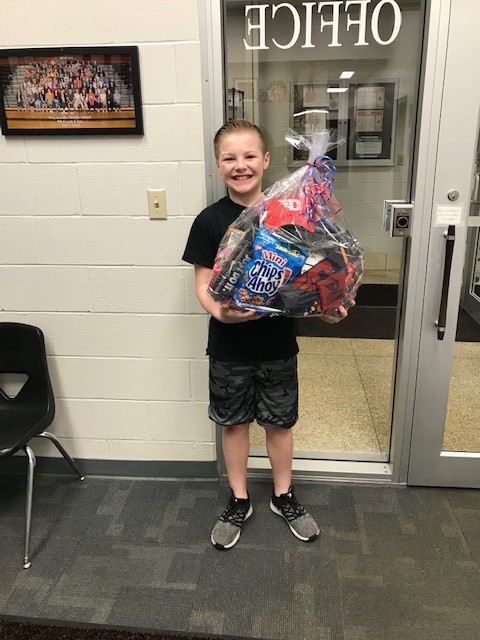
column 277, row 433
column 236, row 428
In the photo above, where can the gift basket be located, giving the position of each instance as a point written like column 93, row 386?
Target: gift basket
column 291, row 252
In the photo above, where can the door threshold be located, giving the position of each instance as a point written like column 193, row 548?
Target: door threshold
column 327, row 470
column 341, row 456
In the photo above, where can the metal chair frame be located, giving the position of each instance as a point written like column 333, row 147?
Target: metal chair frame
column 22, row 351
column 32, row 461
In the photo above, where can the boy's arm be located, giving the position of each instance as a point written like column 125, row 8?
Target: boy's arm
column 224, row 313
column 221, row 312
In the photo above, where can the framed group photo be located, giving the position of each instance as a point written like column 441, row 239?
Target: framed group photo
column 70, row 90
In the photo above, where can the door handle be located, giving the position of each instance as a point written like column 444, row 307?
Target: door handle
column 447, row 268
column 476, row 183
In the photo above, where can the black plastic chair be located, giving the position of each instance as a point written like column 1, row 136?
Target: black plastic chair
column 31, row 411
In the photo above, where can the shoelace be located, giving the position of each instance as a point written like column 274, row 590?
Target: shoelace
column 291, row 508
column 235, row 513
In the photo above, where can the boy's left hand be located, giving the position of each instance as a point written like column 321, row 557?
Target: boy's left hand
column 330, row 319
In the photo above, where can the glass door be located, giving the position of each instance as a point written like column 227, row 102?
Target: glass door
column 355, row 68
column 471, row 284
column 445, row 447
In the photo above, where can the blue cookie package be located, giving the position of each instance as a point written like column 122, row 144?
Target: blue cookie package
column 275, row 262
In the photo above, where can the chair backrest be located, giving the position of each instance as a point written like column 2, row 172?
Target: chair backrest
column 22, row 350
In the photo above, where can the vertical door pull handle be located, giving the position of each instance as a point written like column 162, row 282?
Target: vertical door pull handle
column 476, row 183
column 442, row 313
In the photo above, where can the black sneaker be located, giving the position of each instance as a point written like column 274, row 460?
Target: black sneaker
column 228, row 528
column 301, row 523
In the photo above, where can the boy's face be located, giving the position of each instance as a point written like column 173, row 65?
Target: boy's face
column 241, row 164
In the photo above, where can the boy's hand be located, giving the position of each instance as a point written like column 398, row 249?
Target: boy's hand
column 329, row 319
column 230, row 315
column 222, row 312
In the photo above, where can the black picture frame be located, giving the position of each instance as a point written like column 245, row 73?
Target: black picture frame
column 48, row 91
column 371, row 124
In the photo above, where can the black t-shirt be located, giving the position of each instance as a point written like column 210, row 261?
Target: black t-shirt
column 269, row 338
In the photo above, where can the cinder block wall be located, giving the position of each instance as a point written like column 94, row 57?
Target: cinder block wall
column 80, row 258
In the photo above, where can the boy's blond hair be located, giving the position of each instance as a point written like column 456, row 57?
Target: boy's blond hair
column 237, row 126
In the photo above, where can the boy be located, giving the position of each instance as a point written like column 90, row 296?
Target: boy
column 253, row 360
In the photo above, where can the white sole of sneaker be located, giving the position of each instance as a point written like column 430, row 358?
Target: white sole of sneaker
column 297, row 535
column 237, row 537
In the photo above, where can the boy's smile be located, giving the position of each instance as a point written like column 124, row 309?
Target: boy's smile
column 241, row 164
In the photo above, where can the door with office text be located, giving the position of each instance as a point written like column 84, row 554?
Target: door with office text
column 353, row 68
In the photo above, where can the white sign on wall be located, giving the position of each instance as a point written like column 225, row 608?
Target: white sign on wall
column 309, row 22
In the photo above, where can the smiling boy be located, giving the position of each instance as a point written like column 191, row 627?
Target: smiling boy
column 252, row 359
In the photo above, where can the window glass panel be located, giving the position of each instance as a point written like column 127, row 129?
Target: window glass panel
column 310, row 66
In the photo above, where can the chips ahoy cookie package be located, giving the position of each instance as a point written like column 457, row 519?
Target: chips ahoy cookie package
column 291, row 252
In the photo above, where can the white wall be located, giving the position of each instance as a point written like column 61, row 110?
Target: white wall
column 80, row 258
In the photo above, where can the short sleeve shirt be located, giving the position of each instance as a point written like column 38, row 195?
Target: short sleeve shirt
column 263, row 340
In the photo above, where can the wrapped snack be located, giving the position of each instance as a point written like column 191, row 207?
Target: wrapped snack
column 291, row 252
column 274, row 263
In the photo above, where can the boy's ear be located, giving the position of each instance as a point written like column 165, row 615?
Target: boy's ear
column 266, row 160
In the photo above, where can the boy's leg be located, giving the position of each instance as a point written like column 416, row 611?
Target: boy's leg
column 227, row 529
column 277, row 410
column 236, row 445
column 280, row 452
column 284, row 501
column 232, row 406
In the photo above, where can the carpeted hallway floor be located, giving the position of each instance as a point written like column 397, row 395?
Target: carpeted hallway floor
column 393, row 563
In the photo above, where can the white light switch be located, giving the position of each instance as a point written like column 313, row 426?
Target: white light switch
column 157, row 204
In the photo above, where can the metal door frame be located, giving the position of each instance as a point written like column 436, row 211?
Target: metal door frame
column 429, row 464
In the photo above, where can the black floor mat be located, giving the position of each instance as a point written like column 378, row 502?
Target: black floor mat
column 374, row 318
column 377, row 295
column 375, row 323
column 467, row 329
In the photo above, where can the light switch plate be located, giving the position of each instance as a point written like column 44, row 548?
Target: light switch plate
column 157, row 204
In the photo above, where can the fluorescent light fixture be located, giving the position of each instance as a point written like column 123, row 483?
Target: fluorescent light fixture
column 302, row 113
column 337, row 89
column 345, row 75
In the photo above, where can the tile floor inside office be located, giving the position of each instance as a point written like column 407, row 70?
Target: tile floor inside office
column 393, row 563
column 345, row 390
column 344, row 396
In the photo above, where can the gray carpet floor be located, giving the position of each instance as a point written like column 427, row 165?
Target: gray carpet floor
column 393, row 563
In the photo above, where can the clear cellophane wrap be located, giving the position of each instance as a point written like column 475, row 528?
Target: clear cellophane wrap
column 291, row 252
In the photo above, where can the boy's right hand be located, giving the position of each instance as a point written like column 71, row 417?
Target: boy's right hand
column 221, row 312
column 225, row 313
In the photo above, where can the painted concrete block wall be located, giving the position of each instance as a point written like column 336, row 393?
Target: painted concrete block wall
column 80, row 258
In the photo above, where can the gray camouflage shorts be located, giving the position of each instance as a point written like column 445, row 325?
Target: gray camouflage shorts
column 263, row 391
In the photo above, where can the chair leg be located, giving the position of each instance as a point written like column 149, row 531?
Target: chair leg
column 28, row 505
column 52, row 438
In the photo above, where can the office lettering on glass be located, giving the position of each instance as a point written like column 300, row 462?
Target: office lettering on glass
column 310, row 22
